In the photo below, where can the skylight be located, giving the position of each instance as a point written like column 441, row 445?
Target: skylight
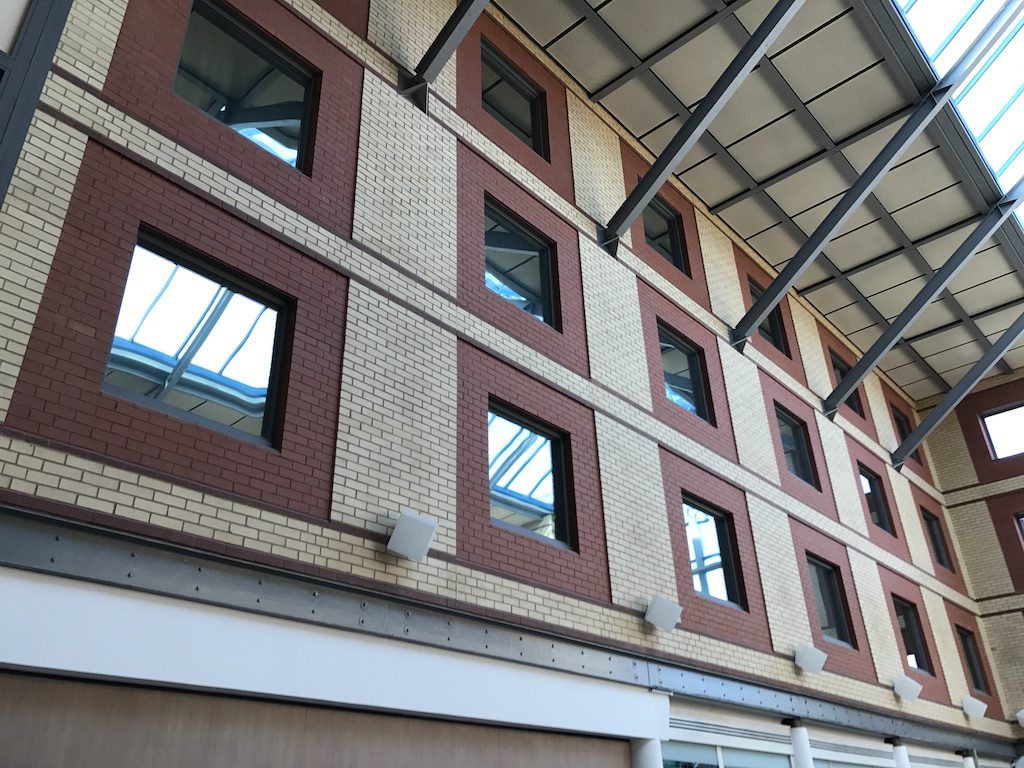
column 991, row 102
column 1006, row 432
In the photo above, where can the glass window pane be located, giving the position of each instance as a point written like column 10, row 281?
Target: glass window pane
column 903, row 429
column 239, row 80
column 744, row 758
column 796, row 447
column 663, row 232
column 874, row 495
column 12, row 14
column 524, row 474
column 839, row 370
column 709, row 541
column 193, row 344
column 828, row 597
column 771, row 328
column 938, row 540
column 972, row 658
column 511, row 99
column 1006, row 432
column 684, row 375
column 517, row 265
column 679, row 755
column 909, row 624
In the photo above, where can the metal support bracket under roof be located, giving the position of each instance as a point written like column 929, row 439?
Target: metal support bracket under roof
column 958, row 393
column 697, row 123
column 414, row 85
column 988, row 226
column 927, row 109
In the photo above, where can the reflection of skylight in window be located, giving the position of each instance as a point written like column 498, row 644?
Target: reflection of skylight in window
column 520, row 462
column 991, row 101
column 1006, row 432
column 272, row 145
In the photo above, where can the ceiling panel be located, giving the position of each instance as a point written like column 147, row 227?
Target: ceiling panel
column 543, row 19
column 575, row 51
column 811, row 16
column 815, row 273
column 851, row 318
column 749, row 217
column 922, row 389
column 984, row 266
column 912, row 180
column 646, row 25
column 752, row 107
column 856, row 104
column 935, row 315
column 935, row 212
column 693, row 69
column 895, row 271
column 808, row 187
column 895, row 358
column 809, row 220
column 990, row 294
column 781, row 144
column 938, row 251
column 638, row 106
column 831, row 297
column 937, row 342
column 993, row 325
column 776, row 245
column 713, row 181
column 891, row 301
column 861, row 245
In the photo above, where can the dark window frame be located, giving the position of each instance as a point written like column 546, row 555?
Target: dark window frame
column 840, row 368
column 877, row 503
column 988, row 438
column 525, row 87
column 802, row 431
column 839, row 599
column 915, row 630
column 204, row 265
column 262, row 43
column 677, row 237
column 727, row 545
column 904, row 426
column 775, row 334
column 564, row 511
column 971, row 655
column 937, row 539
column 701, row 386
column 549, row 271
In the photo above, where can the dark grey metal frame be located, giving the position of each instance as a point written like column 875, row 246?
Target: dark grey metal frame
column 528, row 90
column 680, row 258
column 838, row 599
column 22, row 73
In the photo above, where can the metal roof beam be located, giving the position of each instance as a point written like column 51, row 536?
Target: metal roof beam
column 668, row 49
column 697, row 123
column 414, row 84
column 938, row 282
column 959, row 392
column 929, row 107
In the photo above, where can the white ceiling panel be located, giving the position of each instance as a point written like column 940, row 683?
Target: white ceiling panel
column 993, row 325
column 834, row 53
column 860, row 245
column 781, row 144
column 858, row 103
column 815, row 273
column 954, row 337
column 638, row 106
column 986, row 265
column 939, row 250
column 693, row 69
column 907, row 374
column 914, row 179
column 851, row 318
column 863, row 339
column 864, row 151
column 807, row 19
column 576, row 52
column 896, row 357
column 922, row 389
column 935, row 315
column 808, row 187
column 935, row 212
column 831, row 297
column 544, row 20
column 749, row 217
column 776, row 245
column 895, row 271
column 646, row 25
column 810, row 219
column 1015, row 357
column 955, row 357
column 753, row 106
column 712, row 181
column 892, row 301
column 990, row 294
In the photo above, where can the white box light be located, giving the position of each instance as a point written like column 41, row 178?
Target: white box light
column 412, row 535
column 663, row 613
column 906, row 687
column 809, row 658
column 973, row 707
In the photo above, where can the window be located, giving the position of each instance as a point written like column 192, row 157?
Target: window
column 230, row 72
column 933, row 526
column 796, row 446
column 903, row 429
column 512, row 100
column 663, row 230
column 526, row 467
column 972, row 658
column 194, row 341
column 683, row 368
column 839, row 370
column 1006, row 432
column 913, row 635
column 771, row 328
column 518, row 265
column 827, row 584
column 712, row 559
column 874, row 495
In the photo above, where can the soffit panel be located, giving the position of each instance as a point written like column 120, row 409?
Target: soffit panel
column 861, row 245
column 936, row 315
column 752, row 107
column 814, row 274
column 864, row 338
column 831, row 297
column 895, row 358
column 922, row 388
column 938, row 251
column 808, row 187
column 897, row 271
column 585, row 56
column 993, row 325
column 934, row 212
column 811, row 16
column 858, row 103
column 646, row 25
column 638, row 106
column 914, row 179
column 713, row 181
column 776, row 245
column 693, row 69
column 749, row 217
column 991, row 294
column 543, row 19
column 891, row 301
column 937, row 342
column 986, row 265
column 851, row 318
column 779, row 145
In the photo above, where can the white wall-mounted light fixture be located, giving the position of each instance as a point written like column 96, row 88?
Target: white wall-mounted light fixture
column 412, row 535
column 906, row 687
column 973, row 707
column 663, row 613
column 1020, row 717
column 810, row 659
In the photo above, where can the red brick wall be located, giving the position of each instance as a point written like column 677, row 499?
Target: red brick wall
column 830, row 344
column 958, row 616
column 791, row 363
column 970, row 413
column 717, row 435
column 354, row 14
column 934, row 685
column 141, row 81
column 820, row 498
column 748, row 625
column 58, row 395
column 556, row 172
column 853, row 660
column 567, row 345
column 580, row 569
column 693, row 285
column 1005, row 509
column 953, row 578
column 897, row 541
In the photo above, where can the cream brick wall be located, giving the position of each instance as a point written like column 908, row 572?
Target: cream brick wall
column 720, row 271
column 397, row 419
column 406, row 186
column 90, row 35
column 879, row 410
column 755, row 445
column 640, row 561
column 781, row 581
column 404, row 31
column 615, row 335
column 842, row 475
column 1002, row 637
column 816, row 367
column 946, row 645
column 874, row 609
column 986, row 574
column 953, row 466
column 596, row 163
column 910, row 517
column 30, row 223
